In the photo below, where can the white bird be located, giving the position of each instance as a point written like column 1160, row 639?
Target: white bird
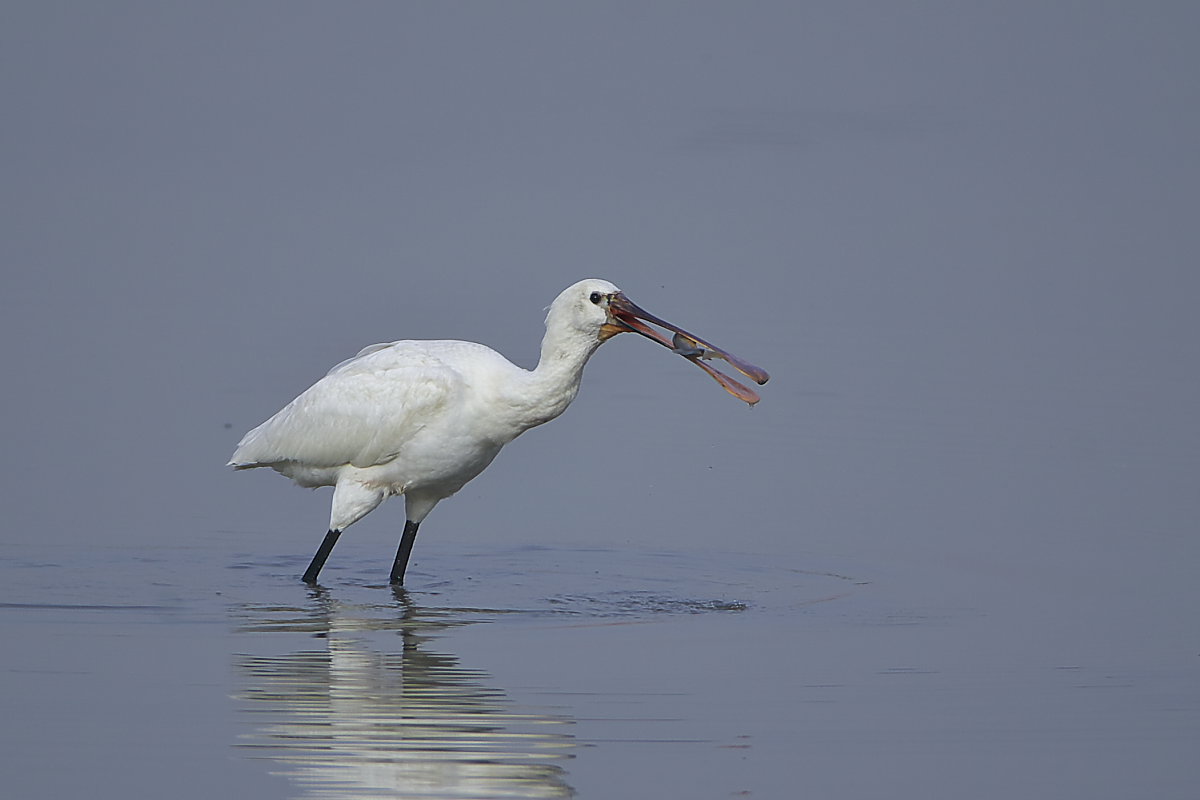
column 422, row 418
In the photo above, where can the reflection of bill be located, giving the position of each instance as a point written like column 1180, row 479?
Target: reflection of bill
column 366, row 716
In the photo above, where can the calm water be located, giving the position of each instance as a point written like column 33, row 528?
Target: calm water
column 952, row 553
column 545, row 672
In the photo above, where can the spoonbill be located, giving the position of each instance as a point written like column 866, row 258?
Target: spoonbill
column 421, row 418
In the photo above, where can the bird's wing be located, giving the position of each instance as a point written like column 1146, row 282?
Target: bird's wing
column 361, row 413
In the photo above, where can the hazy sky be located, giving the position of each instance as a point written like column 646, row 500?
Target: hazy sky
column 962, row 237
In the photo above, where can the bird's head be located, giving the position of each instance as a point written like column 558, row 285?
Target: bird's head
column 598, row 308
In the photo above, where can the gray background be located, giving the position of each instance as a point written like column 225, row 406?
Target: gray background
column 961, row 237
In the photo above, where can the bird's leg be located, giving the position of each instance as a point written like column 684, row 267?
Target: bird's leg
column 318, row 560
column 402, row 554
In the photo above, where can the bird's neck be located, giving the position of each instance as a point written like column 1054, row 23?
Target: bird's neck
column 553, row 384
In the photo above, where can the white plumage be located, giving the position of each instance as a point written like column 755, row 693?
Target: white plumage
column 422, row 418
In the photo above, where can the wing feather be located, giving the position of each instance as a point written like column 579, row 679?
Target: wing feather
column 361, row 413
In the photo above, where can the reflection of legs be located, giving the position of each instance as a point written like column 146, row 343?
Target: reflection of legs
column 405, row 550
column 318, row 560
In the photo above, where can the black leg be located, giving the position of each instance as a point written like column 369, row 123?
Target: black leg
column 406, row 543
column 318, row 561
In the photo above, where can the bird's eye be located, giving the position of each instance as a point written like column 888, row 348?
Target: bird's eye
column 596, row 297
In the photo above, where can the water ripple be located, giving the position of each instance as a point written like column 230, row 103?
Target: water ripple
column 364, row 715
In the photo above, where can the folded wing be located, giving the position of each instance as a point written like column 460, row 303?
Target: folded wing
column 361, row 413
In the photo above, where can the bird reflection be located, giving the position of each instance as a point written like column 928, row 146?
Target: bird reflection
column 363, row 715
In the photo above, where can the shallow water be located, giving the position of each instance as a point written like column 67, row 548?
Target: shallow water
column 355, row 690
column 545, row 672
